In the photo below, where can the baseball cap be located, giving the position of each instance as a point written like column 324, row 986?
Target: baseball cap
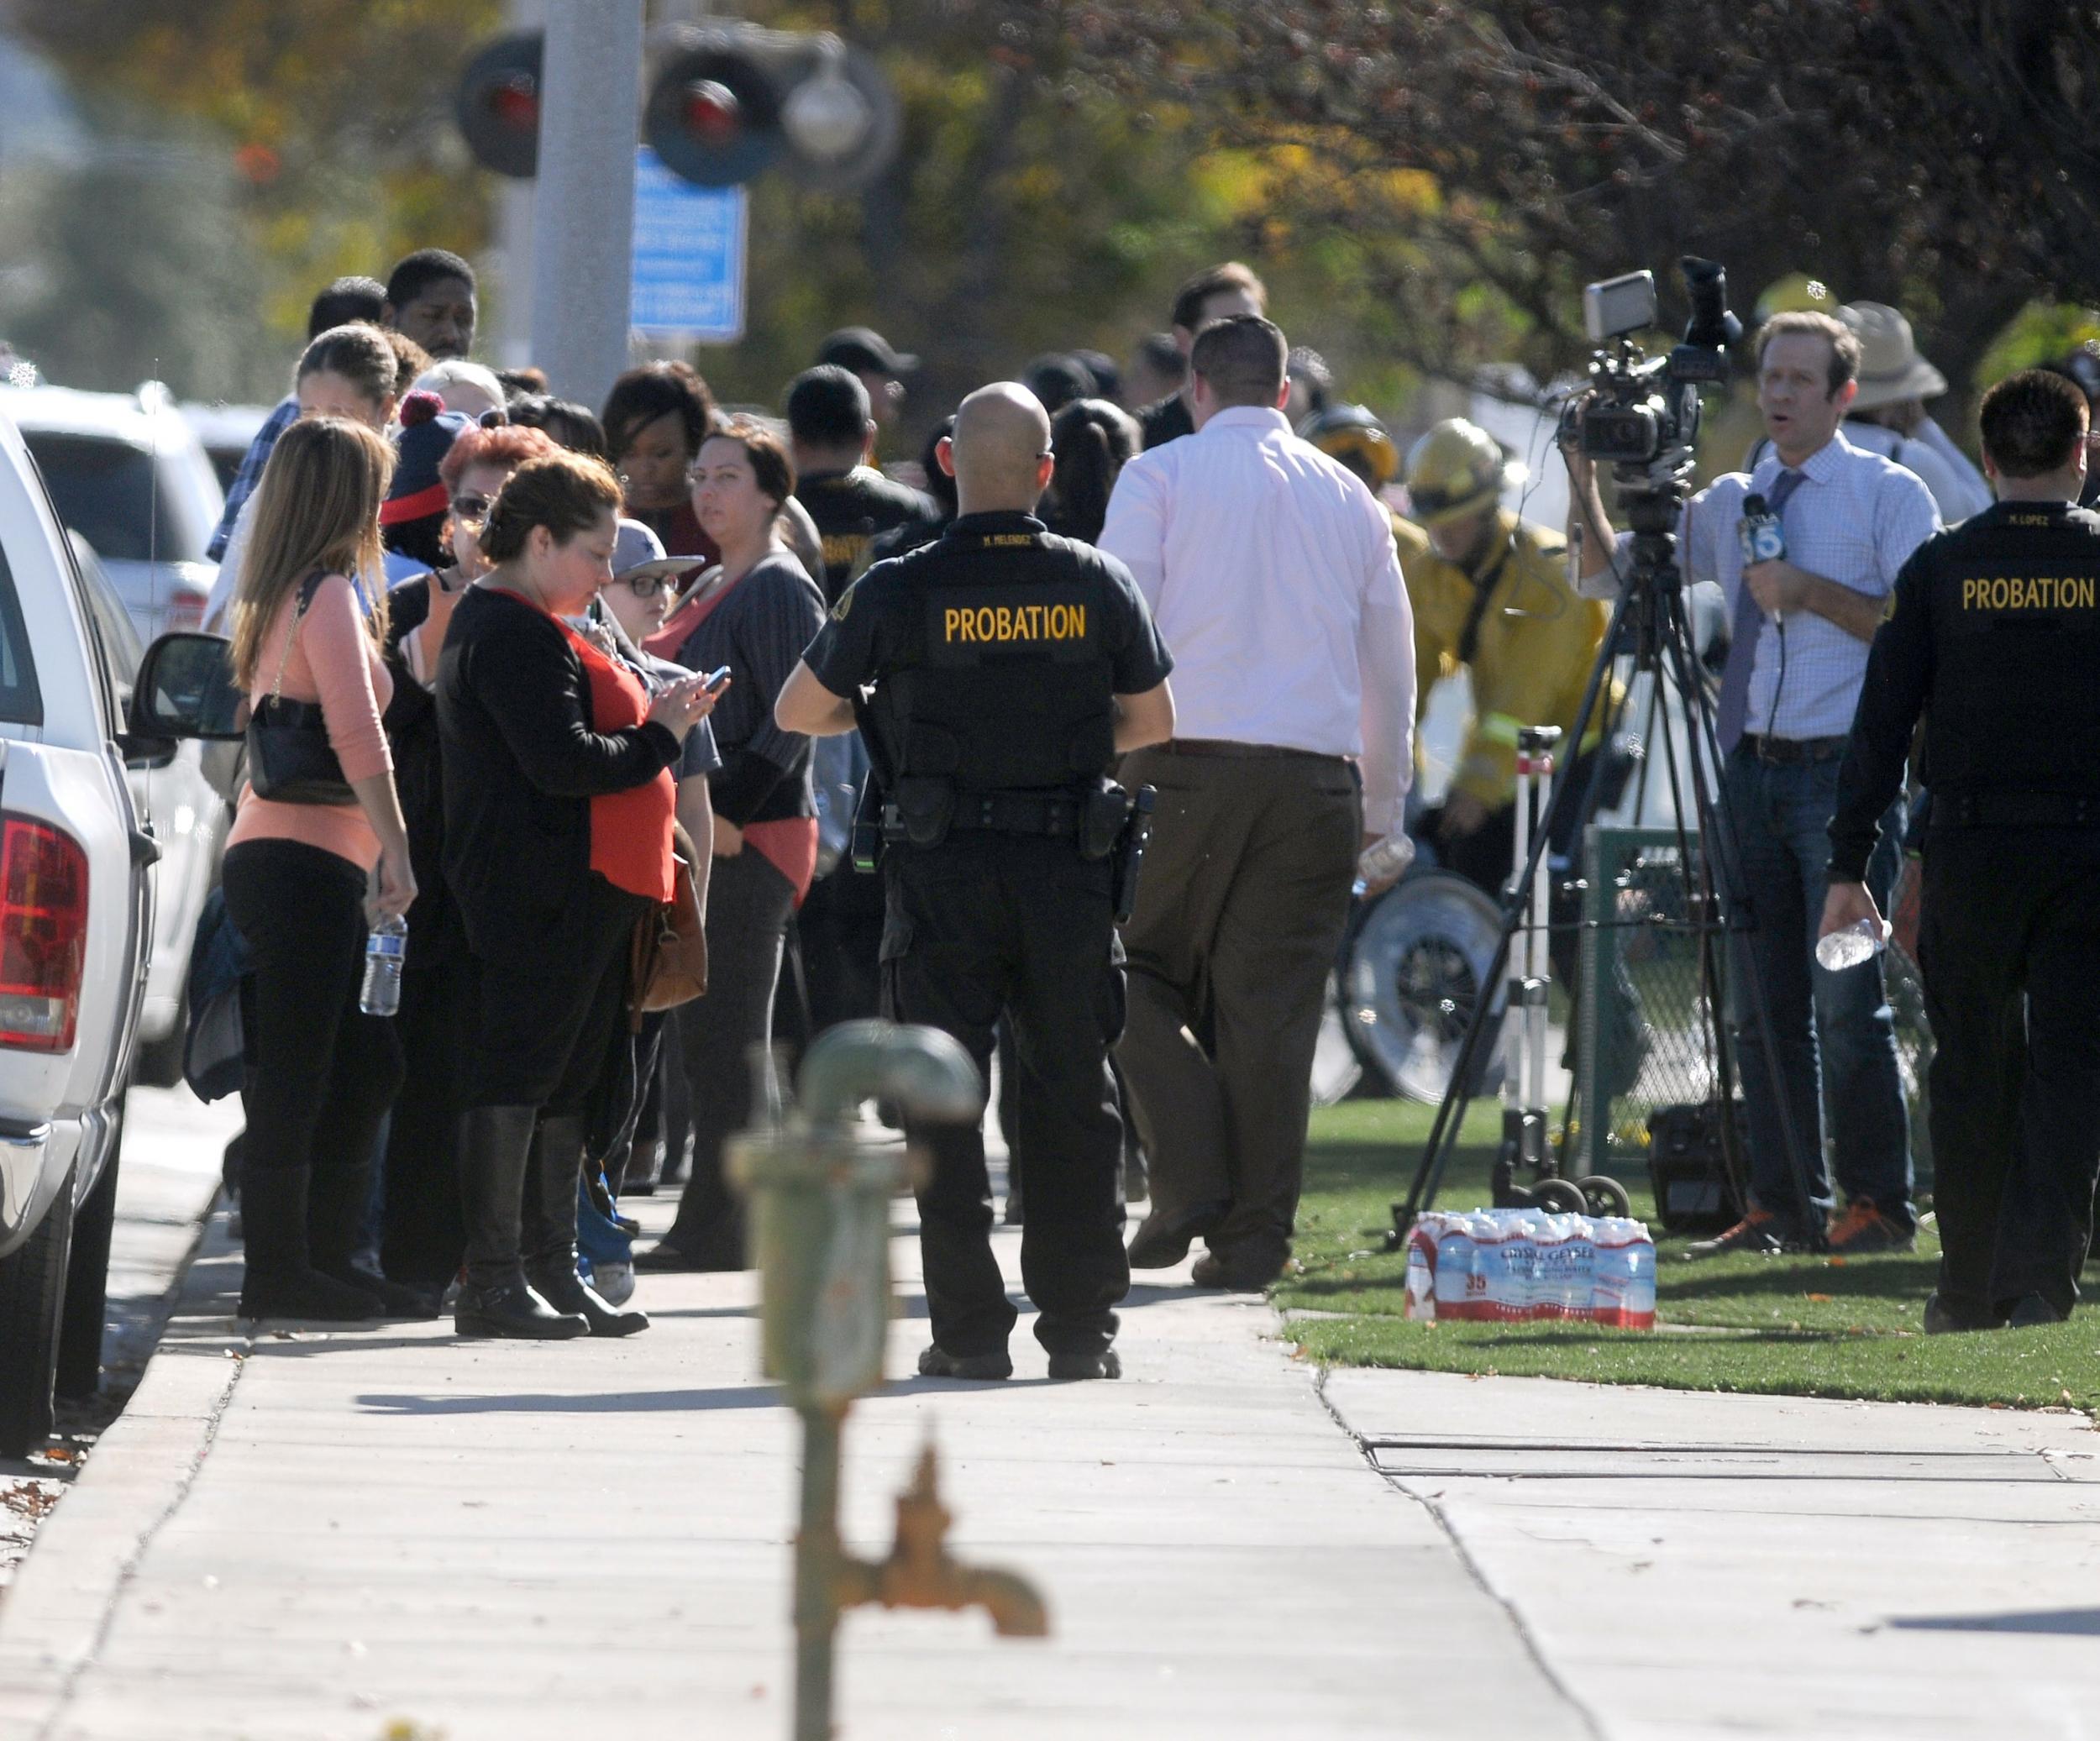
column 863, row 348
column 634, row 546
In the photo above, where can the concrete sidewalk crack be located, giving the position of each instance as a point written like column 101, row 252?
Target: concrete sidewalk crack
column 1532, row 1646
column 134, row 1560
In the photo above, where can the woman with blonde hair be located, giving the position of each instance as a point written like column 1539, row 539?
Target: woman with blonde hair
column 318, row 818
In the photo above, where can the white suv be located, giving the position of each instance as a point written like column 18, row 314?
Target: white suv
column 128, row 473
column 75, row 927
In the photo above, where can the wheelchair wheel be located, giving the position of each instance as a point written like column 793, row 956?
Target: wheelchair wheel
column 1414, row 973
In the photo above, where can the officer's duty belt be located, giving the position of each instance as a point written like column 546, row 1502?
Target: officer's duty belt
column 1795, row 752
column 1045, row 813
column 2013, row 810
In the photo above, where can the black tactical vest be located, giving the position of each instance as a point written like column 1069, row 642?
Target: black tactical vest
column 2014, row 703
column 1003, row 681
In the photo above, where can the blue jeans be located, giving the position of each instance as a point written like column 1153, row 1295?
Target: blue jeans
column 1834, row 1033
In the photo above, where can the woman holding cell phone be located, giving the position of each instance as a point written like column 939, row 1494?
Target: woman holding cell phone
column 754, row 622
column 559, row 799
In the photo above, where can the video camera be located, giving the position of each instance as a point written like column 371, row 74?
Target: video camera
column 1644, row 412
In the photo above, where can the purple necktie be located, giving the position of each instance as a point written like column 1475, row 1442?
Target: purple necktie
column 1733, row 708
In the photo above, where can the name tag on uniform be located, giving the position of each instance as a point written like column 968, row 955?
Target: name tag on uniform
column 2004, row 594
column 969, row 625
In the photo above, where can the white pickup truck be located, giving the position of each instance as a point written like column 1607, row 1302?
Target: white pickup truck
column 76, row 927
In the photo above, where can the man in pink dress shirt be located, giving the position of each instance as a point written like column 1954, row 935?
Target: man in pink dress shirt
column 1271, row 571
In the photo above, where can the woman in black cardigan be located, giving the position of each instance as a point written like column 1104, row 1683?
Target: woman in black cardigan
column 762, row 612
column 557, row 810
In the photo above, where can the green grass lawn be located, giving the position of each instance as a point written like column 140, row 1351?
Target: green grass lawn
column 1792, row 1325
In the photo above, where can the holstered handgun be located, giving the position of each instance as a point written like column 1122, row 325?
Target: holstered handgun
column 1129, row 852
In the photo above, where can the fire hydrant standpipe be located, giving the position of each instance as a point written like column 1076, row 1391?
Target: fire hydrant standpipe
column 821, row 1199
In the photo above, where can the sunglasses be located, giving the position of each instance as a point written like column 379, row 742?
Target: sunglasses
column 472, row 510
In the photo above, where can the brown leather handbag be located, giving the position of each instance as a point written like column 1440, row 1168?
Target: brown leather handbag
column 669, row 959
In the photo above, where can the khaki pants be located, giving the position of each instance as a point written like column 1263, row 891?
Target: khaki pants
column 1242, row 907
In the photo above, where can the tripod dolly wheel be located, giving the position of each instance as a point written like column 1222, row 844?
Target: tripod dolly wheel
column 1560, row 1197
column 1603, row 1195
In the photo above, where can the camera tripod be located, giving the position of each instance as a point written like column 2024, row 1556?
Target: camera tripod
column 1650, row 622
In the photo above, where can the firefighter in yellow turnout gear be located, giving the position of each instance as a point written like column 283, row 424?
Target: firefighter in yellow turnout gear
column 1491, row 594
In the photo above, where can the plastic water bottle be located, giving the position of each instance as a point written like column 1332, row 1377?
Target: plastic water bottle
column 1624, row 1286
column 1857, row 944
column 385, row 948
column 1457, row 1269
column 1382, row 859
column 1421, row 1272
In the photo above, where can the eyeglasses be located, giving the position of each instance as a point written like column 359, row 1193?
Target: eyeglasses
column 471, row 510
column 644, row 586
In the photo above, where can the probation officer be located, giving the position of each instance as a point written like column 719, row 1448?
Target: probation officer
column 1993, row 634
column 996, row 674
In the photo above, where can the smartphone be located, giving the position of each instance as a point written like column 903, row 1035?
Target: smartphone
column 715, row 679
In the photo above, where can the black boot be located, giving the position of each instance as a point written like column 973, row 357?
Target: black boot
column 550, row 1232
column 336, row 1211
column 495, row 1299
column 279, row 1279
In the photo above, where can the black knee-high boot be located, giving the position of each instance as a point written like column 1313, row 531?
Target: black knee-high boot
column 496, row 1300
column 550, row 1230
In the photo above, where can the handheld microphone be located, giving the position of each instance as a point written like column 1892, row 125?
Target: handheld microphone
column 1762, row 536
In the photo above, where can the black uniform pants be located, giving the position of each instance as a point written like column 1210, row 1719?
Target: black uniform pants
column 2015, row 1127
column 991, row 923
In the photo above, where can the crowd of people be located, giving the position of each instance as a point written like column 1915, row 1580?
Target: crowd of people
column 530, row 675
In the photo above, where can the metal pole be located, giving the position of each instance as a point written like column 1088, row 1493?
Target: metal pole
column 817, row 1558
column 583, row 203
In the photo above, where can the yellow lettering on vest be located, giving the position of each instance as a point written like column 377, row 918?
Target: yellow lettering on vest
column 950, row 624
column 1968, row 596
column 987, row 622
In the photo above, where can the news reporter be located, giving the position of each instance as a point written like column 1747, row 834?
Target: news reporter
column 558, row 807
column 1803, row 624
column 321, row 1072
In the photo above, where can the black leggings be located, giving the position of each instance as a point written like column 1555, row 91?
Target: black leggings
column 320, row 1073
column 549, row 1006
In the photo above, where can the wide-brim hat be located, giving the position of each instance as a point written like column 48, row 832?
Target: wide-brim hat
column 1891, row 370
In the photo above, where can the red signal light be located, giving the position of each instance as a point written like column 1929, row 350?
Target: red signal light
column 514, row 102
column 712, row 113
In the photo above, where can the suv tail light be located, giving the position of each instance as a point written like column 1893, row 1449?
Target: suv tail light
column 43, row 935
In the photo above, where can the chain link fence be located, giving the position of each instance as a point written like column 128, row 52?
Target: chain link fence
column 1646, row 1035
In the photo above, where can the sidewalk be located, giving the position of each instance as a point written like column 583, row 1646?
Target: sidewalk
column 312, row 1536
column 1695, row 1563
column 328, row 1531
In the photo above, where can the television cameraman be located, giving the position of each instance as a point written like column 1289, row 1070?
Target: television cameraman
column 1803, row 622
column 1992, row 634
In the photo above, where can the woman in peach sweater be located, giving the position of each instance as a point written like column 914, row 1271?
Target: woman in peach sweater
column 303, row 880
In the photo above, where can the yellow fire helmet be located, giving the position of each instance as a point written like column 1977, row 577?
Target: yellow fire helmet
column 1352, row 434
column 1456, row 470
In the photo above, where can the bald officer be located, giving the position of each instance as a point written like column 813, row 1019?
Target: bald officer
column 1993, row 636
column 996, row 674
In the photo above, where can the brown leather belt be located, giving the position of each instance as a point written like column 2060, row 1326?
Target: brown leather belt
column 1795, row 752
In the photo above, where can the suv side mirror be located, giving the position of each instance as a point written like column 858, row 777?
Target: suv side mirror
column 186, row 688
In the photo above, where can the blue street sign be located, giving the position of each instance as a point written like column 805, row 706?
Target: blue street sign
column 689, row 255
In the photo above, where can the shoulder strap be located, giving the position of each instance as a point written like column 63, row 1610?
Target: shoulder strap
column 1484, row 589
column 307, row 588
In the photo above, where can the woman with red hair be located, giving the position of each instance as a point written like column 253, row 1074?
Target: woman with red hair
column 422, row 1232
